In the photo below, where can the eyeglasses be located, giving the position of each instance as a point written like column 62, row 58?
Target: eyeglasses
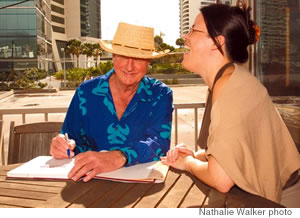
column 195, row 30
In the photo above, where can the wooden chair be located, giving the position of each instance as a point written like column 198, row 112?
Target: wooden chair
column 31, row 140
column 2, row 143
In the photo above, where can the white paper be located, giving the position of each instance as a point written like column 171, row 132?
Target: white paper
column 49, row 168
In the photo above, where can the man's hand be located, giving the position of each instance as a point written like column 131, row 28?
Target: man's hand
column 91, row 163
column 59, row 146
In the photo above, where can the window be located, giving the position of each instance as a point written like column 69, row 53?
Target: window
column 278, row 50
column 57, row 9
column 62, row 2
column 58, row 29
column 58, row 19
column 277, row 58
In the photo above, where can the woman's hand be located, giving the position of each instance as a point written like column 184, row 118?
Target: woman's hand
column 59, row 147
column 173, row 154
column 178, row 156
column 180, row 163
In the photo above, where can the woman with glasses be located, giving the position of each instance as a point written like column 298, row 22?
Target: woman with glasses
column 245, row 140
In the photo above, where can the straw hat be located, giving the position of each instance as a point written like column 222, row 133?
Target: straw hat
column 133, row 41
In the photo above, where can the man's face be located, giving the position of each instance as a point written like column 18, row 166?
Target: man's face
column 130, row 71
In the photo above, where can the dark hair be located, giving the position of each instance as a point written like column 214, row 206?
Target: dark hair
column 235, row 25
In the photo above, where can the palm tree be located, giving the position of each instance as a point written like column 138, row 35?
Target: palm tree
column 97, row 51
column 87, row 49
column 74, row 47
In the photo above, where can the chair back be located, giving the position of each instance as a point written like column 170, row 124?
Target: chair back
column 2, row 143
column 30, row 140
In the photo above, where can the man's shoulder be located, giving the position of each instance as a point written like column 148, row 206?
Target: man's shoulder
column 92, row 83
column 157, row 85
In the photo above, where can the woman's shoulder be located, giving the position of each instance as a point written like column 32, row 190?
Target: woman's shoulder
column 243, row 83
column 242, row 93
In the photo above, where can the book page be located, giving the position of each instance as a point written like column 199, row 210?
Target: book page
column 136, row 172
column 49, row 168
column 43, row 167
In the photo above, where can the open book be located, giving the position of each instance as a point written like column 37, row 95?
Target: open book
column 46, row 167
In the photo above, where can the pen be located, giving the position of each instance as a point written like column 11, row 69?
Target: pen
column 67, row 140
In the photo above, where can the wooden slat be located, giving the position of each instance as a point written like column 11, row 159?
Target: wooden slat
column 9, row 167
column 31, row 145
column 44, row 127
column 176, row 194
column 194, row 199
column 69, row 194
column 19, row 202
column 26, row 194
column 2, row 156
column 158, row 191
column 197, row 195
column 113, row 195
column 9, row 206
column 215, row 199
column 29, row 187
column 31, row 140
column 133, row 195
column 35, row 182
column 95, row 193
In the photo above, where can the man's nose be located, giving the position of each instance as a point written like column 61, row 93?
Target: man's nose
column 130, row 64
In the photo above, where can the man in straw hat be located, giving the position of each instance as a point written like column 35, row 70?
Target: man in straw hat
column 121, row 118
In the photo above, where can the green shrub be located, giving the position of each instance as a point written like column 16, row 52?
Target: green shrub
column 59, row 75
column 28, row 79
column 42, row 85
column 105, row 67
column 3, row 76
column 75, row 77
column 4, row 87
column 168, row 68
column 35, row 74
column 171, row 81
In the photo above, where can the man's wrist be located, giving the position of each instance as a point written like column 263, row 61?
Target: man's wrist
column 124, row 157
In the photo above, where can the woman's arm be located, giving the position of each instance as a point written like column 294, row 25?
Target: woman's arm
column 209, row 172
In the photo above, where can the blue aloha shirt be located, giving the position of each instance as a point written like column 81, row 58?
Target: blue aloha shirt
column 143, row 132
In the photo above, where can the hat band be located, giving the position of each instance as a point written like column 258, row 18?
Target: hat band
column 126, row 46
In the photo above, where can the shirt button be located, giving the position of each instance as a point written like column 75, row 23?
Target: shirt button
column 116, row 128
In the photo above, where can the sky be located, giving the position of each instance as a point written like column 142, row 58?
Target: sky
column 162, row 15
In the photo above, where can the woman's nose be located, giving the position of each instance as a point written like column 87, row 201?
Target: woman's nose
column 186, row 36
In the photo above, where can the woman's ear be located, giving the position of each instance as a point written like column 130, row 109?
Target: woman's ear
column 221, row 40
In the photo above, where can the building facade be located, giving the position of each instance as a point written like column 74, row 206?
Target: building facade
column 73, row 19
column 32, row 34
column 189, row 9
column 25, row 36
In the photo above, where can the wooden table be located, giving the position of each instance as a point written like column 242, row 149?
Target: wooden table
column 179, row 190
